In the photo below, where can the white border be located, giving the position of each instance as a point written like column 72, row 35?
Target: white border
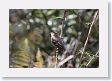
column 102, row 71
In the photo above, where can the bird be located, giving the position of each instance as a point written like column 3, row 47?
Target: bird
column 58, row 42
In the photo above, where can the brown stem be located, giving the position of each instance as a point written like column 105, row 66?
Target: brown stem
column 56, row 58
column 64, row 16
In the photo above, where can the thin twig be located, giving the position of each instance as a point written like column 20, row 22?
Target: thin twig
column 56, row 58
column 65, row 60
column 60, row 36
column 94, row 19
column 62, row 27
column 92, row 59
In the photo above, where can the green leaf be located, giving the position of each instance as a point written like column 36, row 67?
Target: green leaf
column 59, row 18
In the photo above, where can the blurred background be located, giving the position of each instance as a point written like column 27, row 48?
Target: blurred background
column 30, row 41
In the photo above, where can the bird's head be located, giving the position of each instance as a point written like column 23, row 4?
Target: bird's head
column 52, row 34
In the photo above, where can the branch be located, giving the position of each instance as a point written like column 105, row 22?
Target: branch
column 94, row 19
column 56, row 58
column 63, row 23
column 92, row 59
column 65, row 60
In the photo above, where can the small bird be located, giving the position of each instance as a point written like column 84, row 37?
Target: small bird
column 58, row 42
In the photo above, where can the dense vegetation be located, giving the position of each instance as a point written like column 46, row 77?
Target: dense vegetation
column 30, row 42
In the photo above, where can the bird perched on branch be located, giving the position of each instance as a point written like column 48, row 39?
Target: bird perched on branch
column 58, row 42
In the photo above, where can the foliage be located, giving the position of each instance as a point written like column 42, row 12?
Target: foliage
column 30, row 41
